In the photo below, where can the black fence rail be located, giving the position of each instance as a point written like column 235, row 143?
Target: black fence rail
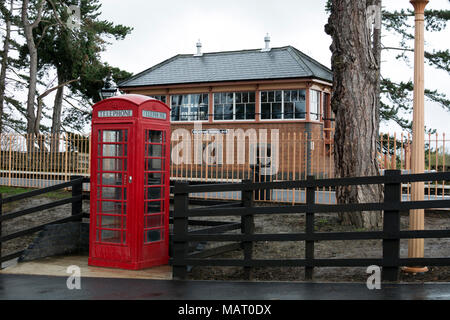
column 76, row 199
column 390, row 234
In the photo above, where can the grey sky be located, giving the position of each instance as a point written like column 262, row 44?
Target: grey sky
column 163, row 29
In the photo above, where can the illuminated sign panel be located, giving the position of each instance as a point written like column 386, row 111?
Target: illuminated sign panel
column 115, row 113
column 154, row 114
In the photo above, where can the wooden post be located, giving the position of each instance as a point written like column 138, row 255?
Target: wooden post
column 247, row 228
column 180, row 231
column 77, row 190
column 309, row 229
column 1, row 226
column 65, row 158
column 416, row 218
column 391, row 229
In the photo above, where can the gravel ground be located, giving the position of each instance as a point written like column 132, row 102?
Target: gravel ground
column 271, row 250
column 326, row 250
column 29, row 221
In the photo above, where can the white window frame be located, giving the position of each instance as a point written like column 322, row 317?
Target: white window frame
column 282, row 106
column 319, row 105
column 189, row 105
column 234, row 107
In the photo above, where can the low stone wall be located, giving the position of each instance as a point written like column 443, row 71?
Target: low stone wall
column 58, row 239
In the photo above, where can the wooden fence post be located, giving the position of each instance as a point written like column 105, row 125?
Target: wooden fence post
column 1, row 226
column 180, row 230
column 77, row 190
column 391, row 229
column 247, row 227
column 309, row 229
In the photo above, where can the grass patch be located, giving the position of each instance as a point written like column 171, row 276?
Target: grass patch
column 56, row 195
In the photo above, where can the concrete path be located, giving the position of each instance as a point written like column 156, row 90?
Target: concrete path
column 24, row 287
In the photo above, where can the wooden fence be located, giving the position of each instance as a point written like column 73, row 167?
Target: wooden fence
column 76, row 199
column 390, row 234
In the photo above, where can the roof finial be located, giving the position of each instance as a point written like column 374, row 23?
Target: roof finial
column 267, row 42
column 199, row 49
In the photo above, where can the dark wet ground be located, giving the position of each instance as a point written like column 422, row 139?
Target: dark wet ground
column 23, row 287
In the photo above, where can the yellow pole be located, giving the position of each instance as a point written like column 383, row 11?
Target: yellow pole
column 416, row 217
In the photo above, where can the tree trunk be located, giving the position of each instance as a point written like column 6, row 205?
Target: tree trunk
column 56, row 118
column 355, row 100
column 28, row 32
column 4, row 64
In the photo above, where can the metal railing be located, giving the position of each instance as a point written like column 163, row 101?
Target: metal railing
column 27, row 161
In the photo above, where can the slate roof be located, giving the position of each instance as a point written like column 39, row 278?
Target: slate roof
column 278, row 63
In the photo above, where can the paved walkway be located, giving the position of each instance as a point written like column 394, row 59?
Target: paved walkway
column 26, row 287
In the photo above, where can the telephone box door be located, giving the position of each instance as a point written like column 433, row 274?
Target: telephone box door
column 156, row 182
column 111, row 189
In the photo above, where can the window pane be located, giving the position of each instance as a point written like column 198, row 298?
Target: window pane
column 218, row 112
column 300, row 109
column 265, row 111
column 205, row 98
column 175, row 100
column 238, row 97
column 154, row 150
column 109, row 207
column 153, row 165
column 203, row 112
column 251, row 97
column 216, row 98
column 112, row 236
column 154, row 206
column 315, row 105
column 152, row 221
column 153, row 235
column 154, row 193
column 154, row 178
column 112, row 165
column 288, row 110
column 276, row 110
column 184, row 113
column 278, row 96
column 229, row 97
column 250, row 112
column 195, row 99
column 111, row 222
column 111, row 179
column 299, row 104
column 110, row 193
column 175, row 113
column 271, row 96
column 114, row 136
column 154, row 136
column 228, row 112
column 114, row 150
column 294, row 95
column 263, row 96
column 240, row 109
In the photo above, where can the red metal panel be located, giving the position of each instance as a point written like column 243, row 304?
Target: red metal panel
column 117, row 236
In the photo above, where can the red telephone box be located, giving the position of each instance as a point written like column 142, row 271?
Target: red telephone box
column 129, row 206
